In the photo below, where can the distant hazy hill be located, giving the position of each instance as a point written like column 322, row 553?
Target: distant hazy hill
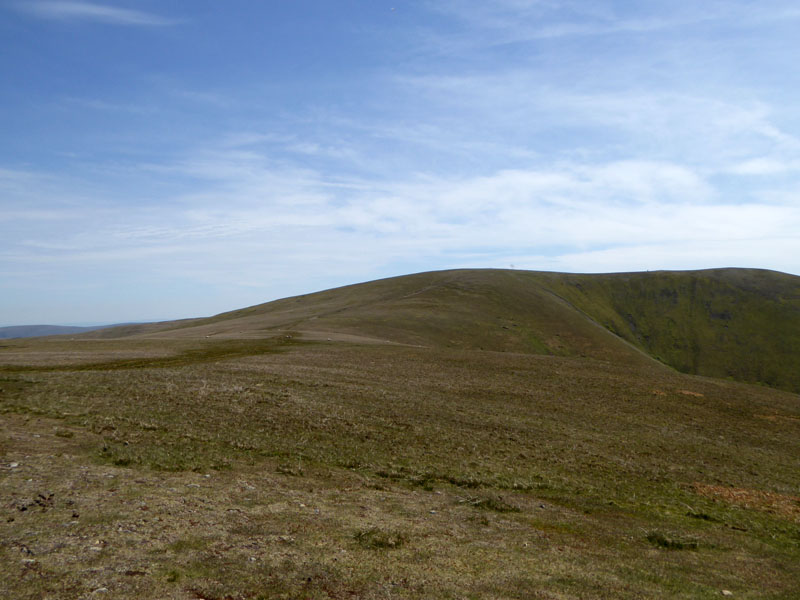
column 119, row 329
column 737, row 323
column 24, row 331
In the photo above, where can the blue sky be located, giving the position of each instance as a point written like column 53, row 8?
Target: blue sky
column 172, row 159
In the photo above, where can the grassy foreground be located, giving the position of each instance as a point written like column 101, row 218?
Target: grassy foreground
column 281, row 468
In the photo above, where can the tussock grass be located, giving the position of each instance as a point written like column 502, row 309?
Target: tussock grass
column 494, row 503
column 670, row 543
column 378, row 539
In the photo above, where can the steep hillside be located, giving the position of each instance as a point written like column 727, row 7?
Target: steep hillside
column 738, row 323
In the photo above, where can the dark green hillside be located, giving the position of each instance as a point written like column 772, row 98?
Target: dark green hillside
column 737, row 323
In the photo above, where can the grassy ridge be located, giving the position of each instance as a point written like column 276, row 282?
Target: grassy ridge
column 742, row 324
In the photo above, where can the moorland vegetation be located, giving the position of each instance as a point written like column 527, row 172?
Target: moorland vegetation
column 458, row 434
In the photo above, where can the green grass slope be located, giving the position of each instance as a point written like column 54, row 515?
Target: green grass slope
column 742, row 324
column 504, row 311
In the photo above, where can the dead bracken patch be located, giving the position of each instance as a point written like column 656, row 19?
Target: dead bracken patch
column 771, row 502
column 690, row 393
column 775, row 418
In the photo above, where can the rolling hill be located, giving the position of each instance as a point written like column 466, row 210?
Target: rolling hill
column 742, row 324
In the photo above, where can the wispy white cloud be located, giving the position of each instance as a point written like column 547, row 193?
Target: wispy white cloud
column 679, row 256
column 64, row 10
column 504, row 22
column 111, row 107
column 765, row 166
column 701, row 126
column 494, row 25
column 250, row 202
column 241, row 212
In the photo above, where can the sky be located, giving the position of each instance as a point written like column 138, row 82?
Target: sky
column 179, row 158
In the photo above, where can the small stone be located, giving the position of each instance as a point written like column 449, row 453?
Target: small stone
column 13, row 465
column 727, row 593
column 433, row 512
column 101, row 590
column 96, row 548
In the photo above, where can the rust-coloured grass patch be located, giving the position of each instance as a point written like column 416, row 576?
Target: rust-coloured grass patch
column 771, row 502
column 778, row 418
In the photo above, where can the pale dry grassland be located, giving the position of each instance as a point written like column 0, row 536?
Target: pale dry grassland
column 243, row 469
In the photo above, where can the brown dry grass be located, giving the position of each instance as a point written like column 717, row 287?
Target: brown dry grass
column 779, row 504
column 327, row 470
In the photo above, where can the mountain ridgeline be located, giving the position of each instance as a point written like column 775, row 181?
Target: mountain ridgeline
column 741, row 324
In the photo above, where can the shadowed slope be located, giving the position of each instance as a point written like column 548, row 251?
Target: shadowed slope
column 737, row 323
